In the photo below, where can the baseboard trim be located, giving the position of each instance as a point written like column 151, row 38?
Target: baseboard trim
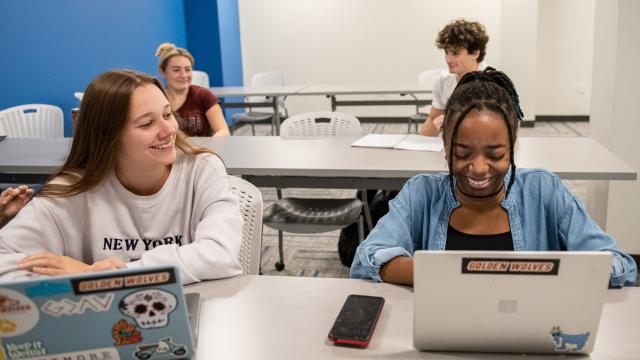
column 527, row 123
column 553, row 118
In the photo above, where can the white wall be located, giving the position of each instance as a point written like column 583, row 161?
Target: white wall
column 614, row 120
column 519, row 28
column 565, row 45
column 342, row 41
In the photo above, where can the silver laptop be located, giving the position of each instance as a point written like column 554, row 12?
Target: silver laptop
column 496, row 301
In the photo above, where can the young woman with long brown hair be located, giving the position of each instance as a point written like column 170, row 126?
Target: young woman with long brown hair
column 133, row 192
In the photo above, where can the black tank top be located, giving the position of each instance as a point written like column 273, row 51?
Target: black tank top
column 457, row 240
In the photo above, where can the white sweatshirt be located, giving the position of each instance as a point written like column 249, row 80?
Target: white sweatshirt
column 193, row 222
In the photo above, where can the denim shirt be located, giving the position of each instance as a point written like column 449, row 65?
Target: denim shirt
column 543, row 215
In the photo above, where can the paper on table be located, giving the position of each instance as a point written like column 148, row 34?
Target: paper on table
column 403, row 142
column 419, row 142
column 379, row 140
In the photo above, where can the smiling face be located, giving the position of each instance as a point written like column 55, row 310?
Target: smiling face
column 481, row 154
column 148, row 137
column 178, row 73
column 460, row 61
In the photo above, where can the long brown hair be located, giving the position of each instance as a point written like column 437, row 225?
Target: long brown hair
column 103, row 115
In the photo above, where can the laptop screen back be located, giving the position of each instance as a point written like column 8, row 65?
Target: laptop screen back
column 541, row 302
column 126, row 314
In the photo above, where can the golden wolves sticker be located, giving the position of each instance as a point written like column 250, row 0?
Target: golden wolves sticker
column 510, row 266
column 18, row 314
column 103, row 283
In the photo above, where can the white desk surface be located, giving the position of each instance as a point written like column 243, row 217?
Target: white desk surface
column 569, row 157
column 239, row 91
column 365, row 89
column 272, row 317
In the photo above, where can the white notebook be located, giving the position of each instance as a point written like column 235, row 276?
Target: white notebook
column 402, row 142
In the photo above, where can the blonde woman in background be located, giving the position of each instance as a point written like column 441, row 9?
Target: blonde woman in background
column 196, row 109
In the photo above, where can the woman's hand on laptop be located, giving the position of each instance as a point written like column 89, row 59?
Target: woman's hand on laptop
column 109, row 263
column 51, row 264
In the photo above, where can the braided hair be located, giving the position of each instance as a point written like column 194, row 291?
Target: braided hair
column 491, row 90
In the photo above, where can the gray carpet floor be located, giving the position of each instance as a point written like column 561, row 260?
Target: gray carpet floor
column 316, row 255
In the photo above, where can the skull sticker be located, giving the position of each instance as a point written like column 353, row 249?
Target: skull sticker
column 149, row 308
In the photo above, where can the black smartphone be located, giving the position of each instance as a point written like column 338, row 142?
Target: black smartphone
column 357, row 320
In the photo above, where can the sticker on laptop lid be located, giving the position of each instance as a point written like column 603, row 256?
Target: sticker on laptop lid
column 64, row 306
column 125, row 333
column 149, row 308
column 18, row 314
column 568, row 342
column 34, row 349
column 104, row 283
column 504, row 266
column 25, row 350
column 162, row 348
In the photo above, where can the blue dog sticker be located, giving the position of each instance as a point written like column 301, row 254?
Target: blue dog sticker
column 568, row 342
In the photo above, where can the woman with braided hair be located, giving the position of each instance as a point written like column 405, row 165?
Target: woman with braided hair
column 484, row 202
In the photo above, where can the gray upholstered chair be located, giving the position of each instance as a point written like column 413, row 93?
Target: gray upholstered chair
column 307, row 216
column 250, row 200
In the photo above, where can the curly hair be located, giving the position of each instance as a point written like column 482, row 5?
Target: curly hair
column 463, row 34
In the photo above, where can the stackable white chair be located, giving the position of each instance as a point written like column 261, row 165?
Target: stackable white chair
column 200, row 78
column 250, row 200
column 321, row 124
column 265, row 78
column 32, row 121
column 309, row 216
column 428, row 79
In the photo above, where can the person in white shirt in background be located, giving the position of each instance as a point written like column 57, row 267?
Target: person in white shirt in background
column 133, row 192
column 464, row 44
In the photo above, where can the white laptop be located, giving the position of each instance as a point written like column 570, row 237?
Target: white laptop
column 496, row 301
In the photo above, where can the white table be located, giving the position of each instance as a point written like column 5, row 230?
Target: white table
column 271, row 317
column 333, row 91
column 271, row 92
column 332, row 163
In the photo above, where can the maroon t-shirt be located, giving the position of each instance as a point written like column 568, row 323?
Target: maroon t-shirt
column 191, row 115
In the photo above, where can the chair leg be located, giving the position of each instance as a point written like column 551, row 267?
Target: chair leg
column 233, row 127
column 366, row 210
column 360, row 229
column 253, row 129
column 280, row 264
column 409, row 126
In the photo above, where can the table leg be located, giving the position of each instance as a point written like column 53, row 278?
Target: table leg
column 276, row 116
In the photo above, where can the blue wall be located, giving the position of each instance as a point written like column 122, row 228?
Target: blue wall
column 203, row 37
column 230, row 50
column 213, row 35
column 52, row 48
